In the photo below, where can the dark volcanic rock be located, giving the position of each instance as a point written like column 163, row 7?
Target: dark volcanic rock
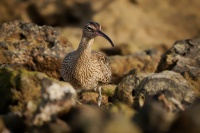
column 32, row 47
column 184, row 58
column 130, row 82
column 171, row 81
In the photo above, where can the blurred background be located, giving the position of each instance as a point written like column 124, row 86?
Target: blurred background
column 133, row 25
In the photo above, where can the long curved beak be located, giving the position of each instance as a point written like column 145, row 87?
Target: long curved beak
column 100, row 33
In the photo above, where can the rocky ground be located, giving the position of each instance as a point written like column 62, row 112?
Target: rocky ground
column 155, row 71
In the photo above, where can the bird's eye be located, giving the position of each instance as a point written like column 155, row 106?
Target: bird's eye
column 89, row 28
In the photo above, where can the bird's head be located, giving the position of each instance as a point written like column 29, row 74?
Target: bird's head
column 92, row 30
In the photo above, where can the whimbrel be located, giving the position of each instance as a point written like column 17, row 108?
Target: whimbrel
column 85, row 69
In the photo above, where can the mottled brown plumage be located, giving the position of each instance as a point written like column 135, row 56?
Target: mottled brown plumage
column 86, row 69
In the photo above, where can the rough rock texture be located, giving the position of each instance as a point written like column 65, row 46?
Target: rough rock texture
column 55, row 99
column 121, row 65
column 55, row 110
column 166, row 80
column 168, row 101
column 18, row 87
column 183, row 57
column 32, row 47
column 130, row 82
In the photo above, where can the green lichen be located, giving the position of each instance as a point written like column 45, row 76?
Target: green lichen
column 8, row 79
column 108, row 90
column 17, row 87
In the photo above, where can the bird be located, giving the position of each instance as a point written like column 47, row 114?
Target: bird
column 84, row 68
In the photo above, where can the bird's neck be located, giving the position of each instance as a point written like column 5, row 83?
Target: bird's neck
column 85, row 46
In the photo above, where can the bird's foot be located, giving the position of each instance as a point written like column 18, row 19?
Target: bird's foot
column 99, row 100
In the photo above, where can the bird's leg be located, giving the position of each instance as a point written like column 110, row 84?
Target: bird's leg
column 99, row 96
column 95, row 89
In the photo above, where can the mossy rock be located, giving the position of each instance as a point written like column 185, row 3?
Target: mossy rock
column 108, row 90
column 17, row 87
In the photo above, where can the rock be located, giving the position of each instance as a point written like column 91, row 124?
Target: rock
column 88, row 97
column 35, row 48
column 89, row 119
column 166, row 80
column 85, row 119
column 12, row 122
column 18, row 87
column 91, row 98
column 108, row 90
column 2, row 126
column 153, row 118
column 15, row 123
column 55, row 99
column 188, row 121
column 119, row 120
column 121, row 65
column 130, row 82
column 168, row 101
column 121, row 110
column 57, row 126
column 183, row 57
